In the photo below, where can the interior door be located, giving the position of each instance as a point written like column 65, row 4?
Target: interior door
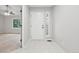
column 37, row 24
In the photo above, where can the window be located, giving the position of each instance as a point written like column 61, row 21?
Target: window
column 17, row 23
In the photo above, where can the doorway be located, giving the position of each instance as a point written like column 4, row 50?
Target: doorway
column 10, row 27
column 40, row 22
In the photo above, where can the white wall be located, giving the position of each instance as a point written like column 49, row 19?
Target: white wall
column 25, row 24
column 67, row 27
column 52, row 25
column 8, row 28
column 1, row 23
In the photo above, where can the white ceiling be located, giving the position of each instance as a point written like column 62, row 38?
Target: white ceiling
column 40, row 5
column 15, row 8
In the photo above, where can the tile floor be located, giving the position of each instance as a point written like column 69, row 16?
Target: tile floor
column 40, row 46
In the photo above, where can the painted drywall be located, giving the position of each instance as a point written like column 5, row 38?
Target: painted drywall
column 25, row 25
column 1, row 23
column 67, row 27
column 8, row 28
column 52, row 25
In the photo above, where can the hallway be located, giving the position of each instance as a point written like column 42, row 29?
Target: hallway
column 40, row 46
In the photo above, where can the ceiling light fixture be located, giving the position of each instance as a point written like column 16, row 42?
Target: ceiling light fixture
column 7, row 11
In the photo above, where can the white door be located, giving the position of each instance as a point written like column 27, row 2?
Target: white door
column 37, row 24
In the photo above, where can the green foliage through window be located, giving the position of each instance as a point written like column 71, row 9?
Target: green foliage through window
column 17, row 23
